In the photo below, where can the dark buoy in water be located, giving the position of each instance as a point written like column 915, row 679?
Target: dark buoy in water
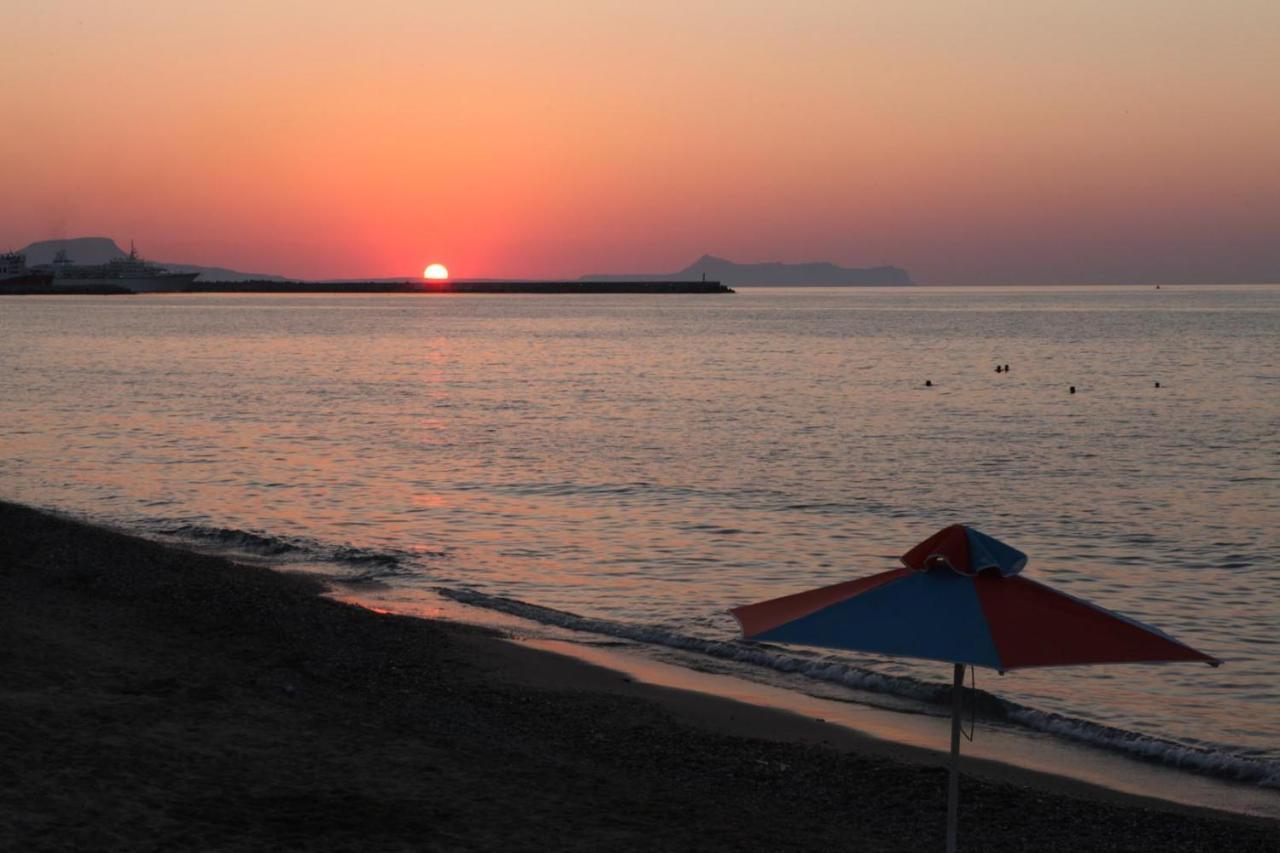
column 1006, row 368
column 999, row 369
column 1157, row 384
column 928, row 383
column 1073, row 389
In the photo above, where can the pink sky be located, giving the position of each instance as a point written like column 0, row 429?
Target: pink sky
column 998, row 142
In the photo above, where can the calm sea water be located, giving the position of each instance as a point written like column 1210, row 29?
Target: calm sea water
column 637, row 465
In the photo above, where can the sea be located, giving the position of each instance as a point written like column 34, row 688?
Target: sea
column 619, row 471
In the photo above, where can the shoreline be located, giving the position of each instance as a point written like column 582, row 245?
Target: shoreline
column 1005, row 752
column 155, row 696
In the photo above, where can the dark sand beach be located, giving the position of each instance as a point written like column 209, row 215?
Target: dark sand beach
column 152, row 698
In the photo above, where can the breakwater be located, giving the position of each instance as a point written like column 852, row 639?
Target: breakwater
column 262, row 286
column 456, row 287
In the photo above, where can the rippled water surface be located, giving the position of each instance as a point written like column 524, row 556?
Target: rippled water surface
column 650, row 461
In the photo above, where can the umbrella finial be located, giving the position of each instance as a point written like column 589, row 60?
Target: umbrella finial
column 965, row 551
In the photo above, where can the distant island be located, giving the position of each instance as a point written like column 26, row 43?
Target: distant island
column 775, row 274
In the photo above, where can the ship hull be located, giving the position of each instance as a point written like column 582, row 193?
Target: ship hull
column 26, row 282
column 176, row 282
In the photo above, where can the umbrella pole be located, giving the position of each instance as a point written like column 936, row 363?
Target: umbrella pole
column 953, row 787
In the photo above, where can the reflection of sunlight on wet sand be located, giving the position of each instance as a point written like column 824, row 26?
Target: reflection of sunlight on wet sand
column 425, row 604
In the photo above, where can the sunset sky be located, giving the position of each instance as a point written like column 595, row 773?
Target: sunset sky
column 970, row 142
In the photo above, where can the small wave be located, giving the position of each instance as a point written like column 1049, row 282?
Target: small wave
column 251, row 543
column 365, row 557
column 1210, row 762
column 230, row 539
column 991, row 707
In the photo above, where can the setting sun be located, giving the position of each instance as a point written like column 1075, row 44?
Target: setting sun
column 436, row 271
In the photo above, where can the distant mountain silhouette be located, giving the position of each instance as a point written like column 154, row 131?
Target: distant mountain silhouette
column 99, row 250
column 818, row 274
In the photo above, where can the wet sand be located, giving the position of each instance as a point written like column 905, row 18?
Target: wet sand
column 152, row 698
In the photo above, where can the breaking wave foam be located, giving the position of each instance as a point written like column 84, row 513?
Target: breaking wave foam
column 1208, row 761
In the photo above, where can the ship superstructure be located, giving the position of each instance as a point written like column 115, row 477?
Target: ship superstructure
column 12, row 264
column 132, row 272
column 15, row 274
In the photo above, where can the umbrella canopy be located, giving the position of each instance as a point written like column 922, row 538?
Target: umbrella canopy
column 960, row 599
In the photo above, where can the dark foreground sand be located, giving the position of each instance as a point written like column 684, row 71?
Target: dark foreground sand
column 154, row 699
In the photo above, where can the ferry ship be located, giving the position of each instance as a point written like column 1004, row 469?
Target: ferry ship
column 14, row 274
column 131, row 272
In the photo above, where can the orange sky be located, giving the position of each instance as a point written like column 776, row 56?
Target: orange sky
column 969, row 142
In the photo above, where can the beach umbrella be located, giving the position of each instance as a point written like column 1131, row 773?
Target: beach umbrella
column 960, row 598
